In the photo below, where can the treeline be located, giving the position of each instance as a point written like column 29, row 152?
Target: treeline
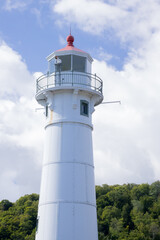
column 127, row 212
column 18, row 220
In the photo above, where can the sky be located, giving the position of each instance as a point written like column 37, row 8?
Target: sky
column 123, row 37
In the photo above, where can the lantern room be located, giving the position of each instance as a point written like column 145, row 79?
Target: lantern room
column 69, row 68
column 69, row 59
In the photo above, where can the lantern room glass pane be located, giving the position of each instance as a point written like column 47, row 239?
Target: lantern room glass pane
column 79, row 63
column 51, row 66
column 66, row 62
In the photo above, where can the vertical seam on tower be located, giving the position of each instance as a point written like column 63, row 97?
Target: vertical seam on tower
column 58, row 213
column 62, row 143
column 86, row 183
column 73, row 197
column 47, row 182
column 73, row 181
column 74, row 159
column 74, row 218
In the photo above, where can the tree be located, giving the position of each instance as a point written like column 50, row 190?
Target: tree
column 18, row 220
column 139, row 191
column 116, row 227
column 155, row 189
column 119, row 196
column 127, row 212
column 5, row 205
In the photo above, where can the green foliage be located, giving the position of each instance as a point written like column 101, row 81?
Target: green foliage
column 127, row 212
column 155, row 189
column 139, row 191
column 18, row 220
column 5, row 205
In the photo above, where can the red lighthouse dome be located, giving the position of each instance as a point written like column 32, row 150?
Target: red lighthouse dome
column 70, row 46
column 70, row 40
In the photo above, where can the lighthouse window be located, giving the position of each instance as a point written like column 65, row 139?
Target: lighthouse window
column 46, row 110
column 79, row 63
column 84, row 107
column 51, row 66
column 66, row 62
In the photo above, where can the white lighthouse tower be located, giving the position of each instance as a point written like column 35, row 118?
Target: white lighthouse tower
column 69, row 93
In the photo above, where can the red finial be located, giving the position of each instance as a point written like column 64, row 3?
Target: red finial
column 70, row 40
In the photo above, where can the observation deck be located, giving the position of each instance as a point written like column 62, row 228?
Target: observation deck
column 69, row 80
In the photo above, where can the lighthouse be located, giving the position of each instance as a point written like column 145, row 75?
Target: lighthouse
column 69, row 93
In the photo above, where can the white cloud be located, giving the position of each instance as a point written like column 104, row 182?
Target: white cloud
column 62, row 40
column 132, row 21
column 104, row 55
column 19, row 175
column 38, row 15
column 14, row 74
column 16, row 4
column 126, row 137
column 21, row 128
column 91, row 16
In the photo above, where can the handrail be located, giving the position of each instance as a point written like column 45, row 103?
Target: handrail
column 60, row 79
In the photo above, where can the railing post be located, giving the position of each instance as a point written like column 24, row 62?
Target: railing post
column 101, row 86
column 59, row 78
column 37, row 85
column 47, row 78
column 55, row 80
column 72, row 78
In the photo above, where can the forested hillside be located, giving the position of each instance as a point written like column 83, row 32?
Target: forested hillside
column 18, row 220
column 127, row 212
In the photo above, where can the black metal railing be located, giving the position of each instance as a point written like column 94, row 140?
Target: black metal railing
column 60, row 79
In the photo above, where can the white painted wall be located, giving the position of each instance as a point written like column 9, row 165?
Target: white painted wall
column 67, row 205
